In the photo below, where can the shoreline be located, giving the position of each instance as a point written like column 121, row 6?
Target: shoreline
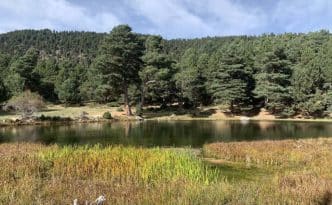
column 237, row 119
column 15, row 123
column 58, row 114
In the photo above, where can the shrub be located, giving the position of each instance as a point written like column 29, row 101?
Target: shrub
column 107, row 115
column 54, row 118
column 26, row 103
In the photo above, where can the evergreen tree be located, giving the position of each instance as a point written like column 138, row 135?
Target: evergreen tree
column 309, row 84
column 191, row 79
column 273, row 81
column 3, row 91
column 24, row 68
column 156, row 75
column 68, row 82
column 4, row 64
column 229, row 80
column 48, row 70
column 97, row 87
column 119, row 61
column 14, row 83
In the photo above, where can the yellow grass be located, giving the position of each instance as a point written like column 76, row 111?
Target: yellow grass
column 298, row 171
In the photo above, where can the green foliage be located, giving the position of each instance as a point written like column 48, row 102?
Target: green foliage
column 51, row 43
column 288, row 74
column 25, row 66
column 107, row 115
column 191, row 79
column 3, row 91
column 230, row 79
column 68, row 82
column 273, row 80
column 157, row 73
column 14, row 83
column 54, row 118
column 119, row 61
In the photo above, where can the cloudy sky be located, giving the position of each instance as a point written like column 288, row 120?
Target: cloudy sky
column 169, row 18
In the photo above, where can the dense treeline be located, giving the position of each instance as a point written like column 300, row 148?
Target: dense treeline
column 287, row 74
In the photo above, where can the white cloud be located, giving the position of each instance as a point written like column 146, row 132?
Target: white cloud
column 231, row 17
column 303, row 15
column 53, row 14
column 170, row 18
column 188, row 18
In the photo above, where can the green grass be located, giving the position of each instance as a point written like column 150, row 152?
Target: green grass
column 57, row 175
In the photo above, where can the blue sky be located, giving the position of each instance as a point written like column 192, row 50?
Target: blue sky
column 169, row 18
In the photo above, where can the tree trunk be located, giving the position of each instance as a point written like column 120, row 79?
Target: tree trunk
column 127, row 103
column 142, row 97
column 232, row 107
column 201, row 107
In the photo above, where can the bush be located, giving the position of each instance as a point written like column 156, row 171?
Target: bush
column 107, row 115
column 119, row 109
column 26, row 103
column 54, row 118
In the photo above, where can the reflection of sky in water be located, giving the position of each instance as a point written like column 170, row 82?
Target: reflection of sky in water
column 175, row 133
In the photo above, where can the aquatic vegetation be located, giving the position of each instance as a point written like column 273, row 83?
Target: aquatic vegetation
column 278, row 172
column 57, row 175
column 299, row 171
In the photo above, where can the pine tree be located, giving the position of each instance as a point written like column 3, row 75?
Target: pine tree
column 24, row 67
column 96, row 87
column 229, row 80
column 119, row 60
column 68, row 82
column 273, row 81
column 4, row 64
column 191, row 79
column 3, row 91
column 309, row 84
column 156, row 75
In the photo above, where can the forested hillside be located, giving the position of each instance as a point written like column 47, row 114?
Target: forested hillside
column 287, row 74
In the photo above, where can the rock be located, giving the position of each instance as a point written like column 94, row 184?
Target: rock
column 84, row 116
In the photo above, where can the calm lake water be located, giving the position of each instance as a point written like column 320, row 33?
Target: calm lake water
column 165, row 133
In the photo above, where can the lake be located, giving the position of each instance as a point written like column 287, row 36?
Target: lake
column 165, row 133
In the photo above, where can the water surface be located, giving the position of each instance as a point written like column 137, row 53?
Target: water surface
column 165, row 133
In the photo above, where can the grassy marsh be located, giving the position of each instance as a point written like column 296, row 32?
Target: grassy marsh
column 266, row 172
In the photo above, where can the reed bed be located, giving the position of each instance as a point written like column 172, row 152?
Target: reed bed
column 267, row 172
column 299, row 171
column 36, row 174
